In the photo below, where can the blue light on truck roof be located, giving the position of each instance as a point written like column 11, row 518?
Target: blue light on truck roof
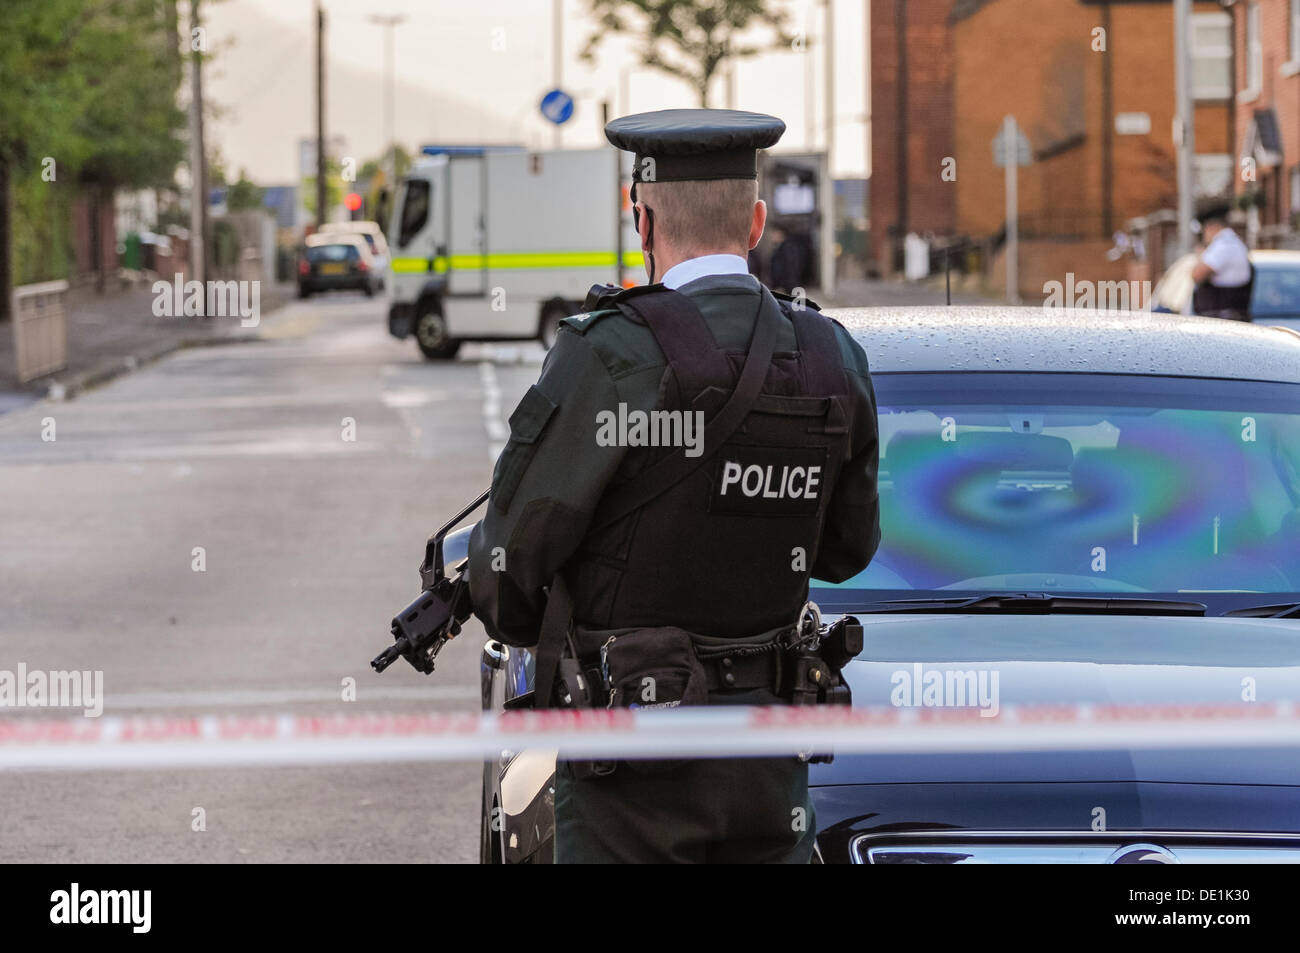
column 466, row 150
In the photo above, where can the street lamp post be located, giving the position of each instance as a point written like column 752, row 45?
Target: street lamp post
column 557, row 58
column 1184, row 122
column 388, row 22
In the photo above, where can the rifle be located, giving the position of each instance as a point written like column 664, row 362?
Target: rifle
column 434, row 618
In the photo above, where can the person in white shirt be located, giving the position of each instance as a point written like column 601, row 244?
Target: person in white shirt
column 1224, row 276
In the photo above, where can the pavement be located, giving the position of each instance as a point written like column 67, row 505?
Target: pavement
column 116, row 332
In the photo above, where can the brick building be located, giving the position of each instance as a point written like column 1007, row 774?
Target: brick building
column 1091, row 84
column 911, row 123
column 1267, row 46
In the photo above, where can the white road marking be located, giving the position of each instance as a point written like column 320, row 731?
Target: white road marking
column 497, row 431
column 280, row 447
column 411, row 397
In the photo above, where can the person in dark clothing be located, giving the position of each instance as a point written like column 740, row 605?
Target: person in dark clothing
column 789, row 259
column 721, row 558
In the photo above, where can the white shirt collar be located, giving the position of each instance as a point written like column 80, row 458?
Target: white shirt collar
column 687, row 271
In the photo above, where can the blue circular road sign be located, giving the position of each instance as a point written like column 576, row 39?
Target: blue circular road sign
column 557, row 106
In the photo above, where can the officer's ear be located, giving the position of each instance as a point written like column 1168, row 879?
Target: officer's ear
column 758, row 223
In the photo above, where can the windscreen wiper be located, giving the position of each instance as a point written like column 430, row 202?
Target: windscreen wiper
column 1283, row 610
column 1043, row 603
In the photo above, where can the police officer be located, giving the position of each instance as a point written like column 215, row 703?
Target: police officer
column 692, row 453
column 1224, row 276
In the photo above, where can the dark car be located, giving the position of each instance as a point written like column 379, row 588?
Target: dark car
column 1076, row 510
column 336, row 263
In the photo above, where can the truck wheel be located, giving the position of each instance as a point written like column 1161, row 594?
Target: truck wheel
column 431, row 335
column 553, row 313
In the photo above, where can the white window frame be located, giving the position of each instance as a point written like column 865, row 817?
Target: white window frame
column 1204, row 51
column 1292, row 64
column 1254, row 55
column 1209, row 167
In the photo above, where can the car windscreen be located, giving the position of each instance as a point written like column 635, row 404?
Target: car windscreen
column 323, row 253
column 1084, row 483
column 1276, row 292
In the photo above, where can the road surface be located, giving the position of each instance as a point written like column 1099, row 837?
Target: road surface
column 310, row 543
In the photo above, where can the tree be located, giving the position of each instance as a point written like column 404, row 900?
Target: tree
column 128, row 117
column 39, row 77
column 689, row 39
column 333, row 189
column 243, row 194
column 90, row 98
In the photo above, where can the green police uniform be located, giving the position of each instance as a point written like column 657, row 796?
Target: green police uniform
column 546, row 488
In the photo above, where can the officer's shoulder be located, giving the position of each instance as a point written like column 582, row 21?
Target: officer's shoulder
column 584, row 322
column 602, row 302
column 852, row 353
column 800, row 302
column 605, row 325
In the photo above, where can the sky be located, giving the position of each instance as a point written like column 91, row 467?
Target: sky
column 474, row 71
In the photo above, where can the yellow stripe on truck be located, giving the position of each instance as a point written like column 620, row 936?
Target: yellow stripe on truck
column 504, row 261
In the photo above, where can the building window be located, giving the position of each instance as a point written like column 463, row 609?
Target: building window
column 1295, row 190
column 1254, row 54
column 1212, row 174
column 1212, row 55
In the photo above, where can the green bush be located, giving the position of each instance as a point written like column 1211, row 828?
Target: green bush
column 42, row 230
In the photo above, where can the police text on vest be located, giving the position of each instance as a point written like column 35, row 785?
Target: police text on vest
column 793, row 483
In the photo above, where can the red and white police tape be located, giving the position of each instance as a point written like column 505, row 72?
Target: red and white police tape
column 281, row 739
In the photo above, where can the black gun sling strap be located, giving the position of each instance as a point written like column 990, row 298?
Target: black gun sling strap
column 678, row 326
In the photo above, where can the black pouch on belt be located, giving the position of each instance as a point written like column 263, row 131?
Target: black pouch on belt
column 652, row 668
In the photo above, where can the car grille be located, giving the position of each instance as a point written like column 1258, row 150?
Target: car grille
column 1060, row 847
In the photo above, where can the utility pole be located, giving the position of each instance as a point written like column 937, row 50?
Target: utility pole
column 902, row 183
column 809, row 87
column 198, row 163
column 321, row 211
column 1010, row 136
column 1184, row 123
column 557, row 56
column 868, row 116
column 390, row 133
column 829, row 63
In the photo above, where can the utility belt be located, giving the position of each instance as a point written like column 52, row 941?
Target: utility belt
column 668, row 667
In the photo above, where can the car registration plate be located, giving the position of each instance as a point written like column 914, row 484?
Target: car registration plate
column 333, row 269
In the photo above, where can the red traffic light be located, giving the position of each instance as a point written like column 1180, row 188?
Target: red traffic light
column 352, row 201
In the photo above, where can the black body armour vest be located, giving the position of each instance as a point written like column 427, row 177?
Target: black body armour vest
column 728, row 551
